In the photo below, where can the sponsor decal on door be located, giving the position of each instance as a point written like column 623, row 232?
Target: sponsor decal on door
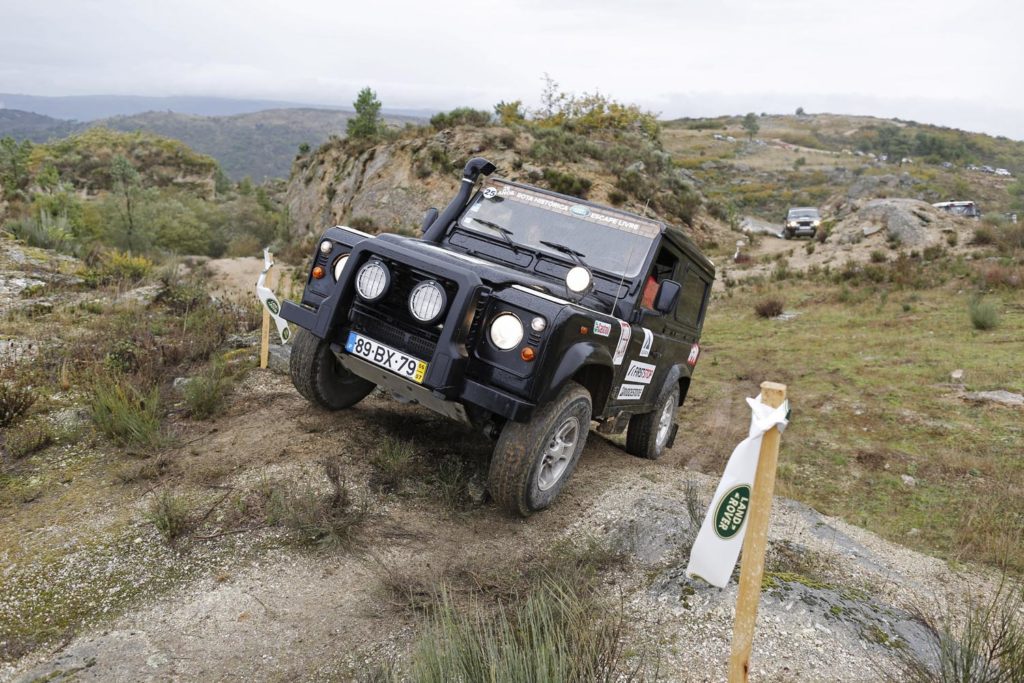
column 691, row 360
column 645, row 350
column 631, row 392
column 640, row 372
column 624, row 334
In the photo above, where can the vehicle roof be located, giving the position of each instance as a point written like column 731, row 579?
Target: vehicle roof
column 672, row 233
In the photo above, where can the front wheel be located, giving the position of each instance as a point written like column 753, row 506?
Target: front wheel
column 320, row 377
column 647, row 435
column 533, row 460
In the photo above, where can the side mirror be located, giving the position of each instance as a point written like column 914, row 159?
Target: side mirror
column 668, row 295
column 428, row 219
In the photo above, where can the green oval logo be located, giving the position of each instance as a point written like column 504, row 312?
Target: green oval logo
column 732, row 511
column 272, row 305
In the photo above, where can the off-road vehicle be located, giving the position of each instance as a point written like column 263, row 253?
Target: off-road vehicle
column 803, row 220
column 520, row 311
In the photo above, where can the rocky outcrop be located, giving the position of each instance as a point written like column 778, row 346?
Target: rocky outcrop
column 908, row 222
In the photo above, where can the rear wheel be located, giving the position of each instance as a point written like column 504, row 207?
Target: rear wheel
column 320, row 377
column 648, row 434
column 533, row 460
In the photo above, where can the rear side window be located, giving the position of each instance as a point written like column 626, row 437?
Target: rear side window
column 691, row 300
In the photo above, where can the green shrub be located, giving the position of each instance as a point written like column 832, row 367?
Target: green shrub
column 984, row 315
column 169, row 514
column 567, row 183
column 45, row 231
column 878, row 256
column 769, row 308
column 118, row 267
column 126, row 415
column 365, row 223
column 461, row 116
column 984, row 235
column 617, row 197
column 15, row 400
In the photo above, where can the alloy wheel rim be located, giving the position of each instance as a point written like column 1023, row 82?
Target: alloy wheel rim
column 664, row 423
column 558, row 453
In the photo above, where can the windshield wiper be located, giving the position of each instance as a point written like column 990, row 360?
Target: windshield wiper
column 577, row 256
column 504, row 232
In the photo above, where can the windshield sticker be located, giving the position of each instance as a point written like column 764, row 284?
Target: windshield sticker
column 624, row 335
column 694, row 354
column 624, row 222
column 602, row 329
column 645, row 350
column 631, row 392
column 490, row 192
column 640, row 372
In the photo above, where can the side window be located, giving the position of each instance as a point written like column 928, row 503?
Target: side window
column 691, row 300
column 664, row 268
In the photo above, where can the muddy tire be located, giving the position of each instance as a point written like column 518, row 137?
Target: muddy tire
column 648, row 434
column 532, row 461
column 320, row 378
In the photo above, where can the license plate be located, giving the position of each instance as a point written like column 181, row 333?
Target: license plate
column 386, row 357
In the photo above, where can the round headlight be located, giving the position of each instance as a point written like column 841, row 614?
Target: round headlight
column 427, row 300
column 372, row 280
column 577, row 279
column 538, row 324
column 506, row 331
column 339, row 265
column 326, row 246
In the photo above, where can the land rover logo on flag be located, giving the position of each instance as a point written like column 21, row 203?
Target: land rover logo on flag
column 732, row 511
column 272, row 305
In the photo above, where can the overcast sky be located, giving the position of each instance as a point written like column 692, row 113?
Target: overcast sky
column 954, row 63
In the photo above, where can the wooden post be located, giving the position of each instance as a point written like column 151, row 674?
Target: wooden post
column 265, row 333
column 755, row 542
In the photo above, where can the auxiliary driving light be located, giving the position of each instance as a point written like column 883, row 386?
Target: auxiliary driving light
column 372, row 280
column 538, row 324
column 326, row 246
column 578, row 279
column 427, row 301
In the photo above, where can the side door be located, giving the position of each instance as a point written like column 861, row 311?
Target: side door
column 639, row 376
column 688, row 319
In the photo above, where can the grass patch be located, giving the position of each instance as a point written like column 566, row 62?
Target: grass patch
column 206, row 395
column 394, row 463
column 333, row 520
column 866, row 376
column 126, row 415
column 169, row 514
column 27, row 438
column 980, row 641
column 15, row 400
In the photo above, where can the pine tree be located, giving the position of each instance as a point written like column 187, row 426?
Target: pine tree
column 366, row 123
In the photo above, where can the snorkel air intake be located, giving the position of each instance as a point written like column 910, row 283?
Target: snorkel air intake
column 477, row 165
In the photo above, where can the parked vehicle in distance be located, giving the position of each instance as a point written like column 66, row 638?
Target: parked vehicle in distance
column 965, row 208
column 520, row 311
column 801, row 221
column 1003, row 172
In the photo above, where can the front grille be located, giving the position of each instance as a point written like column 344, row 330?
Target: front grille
column 389, row 320
column 419, row 343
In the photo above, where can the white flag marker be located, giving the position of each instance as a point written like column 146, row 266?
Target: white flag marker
column 720, row 538
column 269, row 301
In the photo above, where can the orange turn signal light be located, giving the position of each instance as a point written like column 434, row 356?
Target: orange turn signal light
column 318, row 272
column 527, row 354
column 584, row 330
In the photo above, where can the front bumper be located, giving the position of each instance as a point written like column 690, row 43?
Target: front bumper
column 446, row 387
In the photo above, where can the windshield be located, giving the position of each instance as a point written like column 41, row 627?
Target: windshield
column 604, row 239
column 802, row 213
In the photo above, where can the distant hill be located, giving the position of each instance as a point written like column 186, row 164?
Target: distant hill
column 92, row 107
column 26, row 125
column 259, row 144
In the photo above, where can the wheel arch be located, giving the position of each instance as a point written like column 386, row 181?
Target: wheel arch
column 588, row 364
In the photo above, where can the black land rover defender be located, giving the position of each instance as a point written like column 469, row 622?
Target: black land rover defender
column 521, row 311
